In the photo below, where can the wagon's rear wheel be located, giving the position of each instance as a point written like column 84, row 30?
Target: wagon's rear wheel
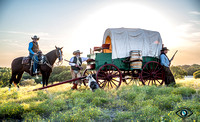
column 109, row 76
column 86, row 73
column 152, row 74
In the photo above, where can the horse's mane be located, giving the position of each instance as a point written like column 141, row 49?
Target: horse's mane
column 50, row 53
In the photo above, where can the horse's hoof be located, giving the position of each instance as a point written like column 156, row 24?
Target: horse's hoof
column 9, row 89
column 17, row 89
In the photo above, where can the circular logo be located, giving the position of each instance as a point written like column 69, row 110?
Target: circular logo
column 184, row 112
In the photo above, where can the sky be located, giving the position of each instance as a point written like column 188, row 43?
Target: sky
column 80, row 24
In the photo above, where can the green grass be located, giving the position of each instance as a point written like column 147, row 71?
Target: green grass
column 128, row 103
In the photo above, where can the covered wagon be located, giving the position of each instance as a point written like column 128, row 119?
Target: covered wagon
column 127, row 54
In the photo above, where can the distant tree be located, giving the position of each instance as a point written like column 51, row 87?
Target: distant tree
column 196, row 74
column 178, row 72
column 185, row 67
column 62, row 73
column 5, row 74
column 58, row 74
column 190, row 69
column 26, row 76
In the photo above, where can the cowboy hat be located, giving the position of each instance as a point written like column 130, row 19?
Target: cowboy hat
column 35, row 37
column 164, row 48
column 77, row 51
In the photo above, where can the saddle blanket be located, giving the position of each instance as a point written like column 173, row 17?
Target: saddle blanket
column 26, row 60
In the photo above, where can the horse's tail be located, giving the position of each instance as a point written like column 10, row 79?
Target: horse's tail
column 16, row 66
column 12, row 79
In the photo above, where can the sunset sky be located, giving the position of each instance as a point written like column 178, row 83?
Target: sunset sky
column 80, row 24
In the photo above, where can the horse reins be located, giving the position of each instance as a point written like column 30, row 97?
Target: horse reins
column 46, row 60
column 58, row 55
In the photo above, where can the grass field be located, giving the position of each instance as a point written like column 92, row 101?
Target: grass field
column 128, row 103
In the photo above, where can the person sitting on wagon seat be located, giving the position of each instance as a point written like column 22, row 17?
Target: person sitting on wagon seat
column 75, row 63
column 165, row 62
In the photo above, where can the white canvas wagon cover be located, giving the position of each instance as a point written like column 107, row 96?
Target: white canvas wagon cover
column 123, row 40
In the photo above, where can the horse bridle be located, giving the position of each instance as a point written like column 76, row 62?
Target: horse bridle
column 59, row 54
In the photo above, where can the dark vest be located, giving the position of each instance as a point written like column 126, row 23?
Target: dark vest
column 74, row 61
column 35, row 47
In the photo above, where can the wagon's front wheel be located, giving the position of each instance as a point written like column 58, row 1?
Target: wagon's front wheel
column 109, row 76
column 152, row 74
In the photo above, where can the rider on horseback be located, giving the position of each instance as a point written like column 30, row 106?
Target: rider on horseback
column 33, row 50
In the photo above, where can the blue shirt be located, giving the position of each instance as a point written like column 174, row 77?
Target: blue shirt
column 30, row 48
column 164, row 60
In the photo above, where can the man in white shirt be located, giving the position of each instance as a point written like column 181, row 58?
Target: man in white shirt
column 75, row 63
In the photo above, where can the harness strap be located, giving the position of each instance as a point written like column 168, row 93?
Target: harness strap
column 49, row 65
column 47, row 62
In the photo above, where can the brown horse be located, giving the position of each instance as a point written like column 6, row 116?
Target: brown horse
column 46, row 68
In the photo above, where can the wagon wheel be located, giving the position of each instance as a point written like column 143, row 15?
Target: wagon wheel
column 152, row 74
column 86, row 73
column 109, row 76
column 128, row 79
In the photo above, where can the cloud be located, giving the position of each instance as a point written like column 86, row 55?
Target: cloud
column 25, row 33
column 195, row 12
column 195, row 22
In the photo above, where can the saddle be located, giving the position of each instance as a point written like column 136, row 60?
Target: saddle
column 28, row 61
column 41, row 59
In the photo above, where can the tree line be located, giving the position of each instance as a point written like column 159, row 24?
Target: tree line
column 62, row 73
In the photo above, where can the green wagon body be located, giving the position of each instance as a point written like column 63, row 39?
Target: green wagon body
column 106, row 58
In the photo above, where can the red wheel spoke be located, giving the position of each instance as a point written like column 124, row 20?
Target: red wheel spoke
column 115, row 80
column 154, row 81
column 105, row 82
column 159, row 73
column 149, row 67
column 156, row 67
column 101, row 83
column 145, row 81
column 158, row 80
column 153, row 67
column 131, row 79
column 112, row 71
column 108, row 83
column 158, row 70
column 113, row 83
column 148, row 82
column 102, row 74
column 146, row 72
column 115, row 73
column 146, row 69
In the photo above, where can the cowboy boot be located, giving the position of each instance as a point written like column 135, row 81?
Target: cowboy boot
column 74, row 86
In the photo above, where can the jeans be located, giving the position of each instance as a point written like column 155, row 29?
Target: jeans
column 35, row 59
